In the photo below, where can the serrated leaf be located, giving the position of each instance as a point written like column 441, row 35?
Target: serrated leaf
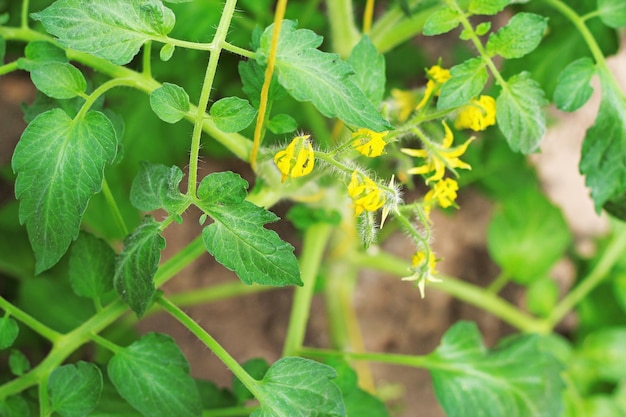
column 60, row 164
column 527, row 235
column 156, row 186
column 152, row 374
column 487, row 7
column 468, row 80
column 603, row 159
column 114, row 30
column 59, row 80
column 282, row 123
column 39, row 53
column 324, row 79
column 442, row 21
column 8, row 332
column 519, row 37
column 91, row 266
column 75, row 390
column 232, row 114
column 516, row 379
column 297, row 387
column 18, row 363
column 519, row 113
column 170, row 102
column 137, row 265
column 573, row 89
column 237, row 238
column 256, row 368
column 612, row 12
column 252, row 77
column 369, row 66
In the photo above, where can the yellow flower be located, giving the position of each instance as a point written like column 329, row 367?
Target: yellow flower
column 365, row 193
column 423, row 270
column 443, row 193
column 439, row 156
column 297, row 159
column 477, row 115
column 405, row 101
column 368, row 142
column 437, row 77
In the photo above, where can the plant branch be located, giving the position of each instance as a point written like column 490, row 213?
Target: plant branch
column 30, row 321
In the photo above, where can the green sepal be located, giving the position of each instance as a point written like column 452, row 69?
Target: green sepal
column 137, row 265
column 60, row 164
column 467, row 82
column 156, row 186
column 573, row 89
column 515, row 379
column 170, row 102
column 232, row 114
column 324, row 79
column 237, row 238
column 8, row 332
column 114, row 30
column 519, row 113
column 152, row 374
column 299, row 387
column 91, row 266
column 59, row 80
column 603, row 160
column 519, row 37
column 75, row 389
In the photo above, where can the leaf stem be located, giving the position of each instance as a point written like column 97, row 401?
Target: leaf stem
column 367, row 16
column 146, row 60
column 416, row 361
column 7, row 68
column 110, row 199
column 343, row 30
column 211, row 343
column 44, row 404
column 30, row 321
column 216, row 293
column 24, row 14
column 207, row 85
column 91, row 99
column 314, row 243
column 279, row 14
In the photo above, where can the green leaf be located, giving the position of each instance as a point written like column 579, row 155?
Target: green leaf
column 4, row 18
column 519, row 37
column 324, row 79
column 39, row 53
column 252, row 77
column 256, row 368
column 18, row 363
column 3, row 49
column 369, row 66
column 487, row 7
column 603, row 159
column 442, row 21
column 75, row 389
column 8, row 332
column 113, row 30
column 237, row 238
column 170, row 102
column 282, row 123
column 156, row 186
column 137, row 265
column 153, row 376
column 296, row 387
column 516, row 379
column 519, row 113
column 573, row 89
column 232, row 114
column 527, row 235
column 612, row 13
column 15, row 406
column 542, row 296
column 468, row 80
column 60, row 164
column 59, row 80
column 604, row 351
column 166, row 52
column 91, row 266
column 361, row 403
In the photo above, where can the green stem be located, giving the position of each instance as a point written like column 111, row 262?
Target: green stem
column 91, row 99
column 7, row 68
column 110, row 199
column 394, row 28
column 44, row 404
column 220, row 37
column 212, row 344
column 24, row 15
column 416, row 361
column 146, row 59
column 463, row 291
column 106, row 343
column 30, row 321
column 315, row 240
column 344, row 32
column 500, row 282
column 216, row 293
column 613, row 253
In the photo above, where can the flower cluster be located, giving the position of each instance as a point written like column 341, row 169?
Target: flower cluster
column 477, row 115
column 365, row 193
column 369, row 143
column 437, row 77
column 423, row 267
column 297, row 159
